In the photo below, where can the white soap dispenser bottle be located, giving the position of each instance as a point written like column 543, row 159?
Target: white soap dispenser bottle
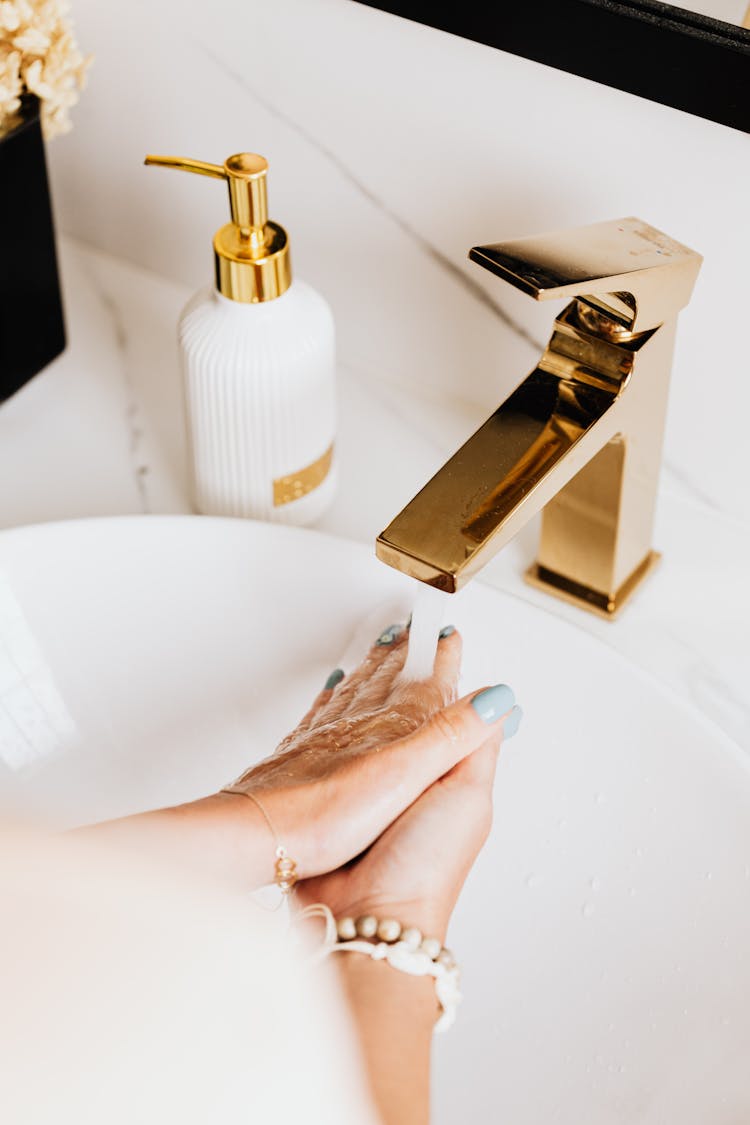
column 257, row 355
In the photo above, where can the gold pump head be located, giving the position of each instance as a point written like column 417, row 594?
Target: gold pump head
column 251, row 253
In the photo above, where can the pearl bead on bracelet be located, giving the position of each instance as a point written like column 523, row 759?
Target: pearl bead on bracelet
column 390, row 930
column 404, row 948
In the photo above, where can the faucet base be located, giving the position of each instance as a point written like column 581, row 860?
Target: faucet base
column 603, row 605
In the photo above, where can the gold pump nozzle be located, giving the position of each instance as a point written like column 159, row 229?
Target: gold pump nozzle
column 251, row 253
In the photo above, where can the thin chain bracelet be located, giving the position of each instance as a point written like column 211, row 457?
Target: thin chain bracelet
column 404, row 948
column 285, row 875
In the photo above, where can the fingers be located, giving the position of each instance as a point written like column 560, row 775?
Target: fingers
column 375, row 682
column 339, row 689
column 375, row 688
column 448, row 656
column 322, row 699
column 324, row 696
column 376, row 672
column 424, row 697
column 374, row 691
column 479, row 768
column 449, row 736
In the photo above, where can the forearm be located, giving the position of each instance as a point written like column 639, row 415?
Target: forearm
column 395, row 1016
column 222, row 836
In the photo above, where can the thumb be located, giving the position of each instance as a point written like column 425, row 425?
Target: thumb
column 450, row 735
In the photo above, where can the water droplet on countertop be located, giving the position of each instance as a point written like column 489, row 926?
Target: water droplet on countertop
column 709, row 876
column 587, row 909
column 531, row 880
column 595, row 884
column 562, row 824
column 600, row 798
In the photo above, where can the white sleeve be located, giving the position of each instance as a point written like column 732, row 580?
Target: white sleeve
column 129, row 993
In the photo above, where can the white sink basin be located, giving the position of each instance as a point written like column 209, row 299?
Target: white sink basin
column 605, row 930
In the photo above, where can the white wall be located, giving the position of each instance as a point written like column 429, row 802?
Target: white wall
column 393, row 149
column 733, row 11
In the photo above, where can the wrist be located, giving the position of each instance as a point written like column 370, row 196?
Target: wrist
column 373, row 986
column 230, row 837
column 403, row 948
column 209, row 836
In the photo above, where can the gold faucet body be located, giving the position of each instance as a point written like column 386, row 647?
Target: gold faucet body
column 581, row 437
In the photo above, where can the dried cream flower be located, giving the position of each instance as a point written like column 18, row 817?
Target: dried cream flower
column 39, row 55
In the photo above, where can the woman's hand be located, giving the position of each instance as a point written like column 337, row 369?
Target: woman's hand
column 368, row 749
column 414, row 871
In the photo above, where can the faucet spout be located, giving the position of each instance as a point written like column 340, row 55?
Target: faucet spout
column 580, row 437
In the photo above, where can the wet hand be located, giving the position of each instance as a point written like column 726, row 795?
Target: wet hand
column 369, row 748
column 416, row 868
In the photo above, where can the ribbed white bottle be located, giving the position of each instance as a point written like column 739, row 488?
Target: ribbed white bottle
column 258, row 365
column 260, row 404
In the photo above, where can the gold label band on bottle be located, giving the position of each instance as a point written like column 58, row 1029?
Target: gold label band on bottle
column 296, row 485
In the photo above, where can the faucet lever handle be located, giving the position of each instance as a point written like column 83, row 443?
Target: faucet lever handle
column 632, row 272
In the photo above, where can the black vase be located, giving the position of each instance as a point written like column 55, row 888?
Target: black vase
column 32, row 331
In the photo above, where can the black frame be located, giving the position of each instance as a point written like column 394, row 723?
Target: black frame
column 32, row 328
column 645, row 47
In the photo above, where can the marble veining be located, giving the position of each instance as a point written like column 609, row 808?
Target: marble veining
column 436, row 256
column 713, row 691
column 687, row 483
column 132, row 411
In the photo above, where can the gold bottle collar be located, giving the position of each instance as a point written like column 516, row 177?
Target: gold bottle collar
column 251, row 253
column 242, row 277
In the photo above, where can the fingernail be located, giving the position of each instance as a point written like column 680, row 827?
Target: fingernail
column 408, row 622
column 493, row 702
column 446, row 631
column 513, row 722
column 388, row 636
column 335, row 677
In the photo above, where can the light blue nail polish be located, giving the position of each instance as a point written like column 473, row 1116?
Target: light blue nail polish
column 388, row 636
column 446, row 631
column 513, row 722
column 493, row 702
column 335, row 677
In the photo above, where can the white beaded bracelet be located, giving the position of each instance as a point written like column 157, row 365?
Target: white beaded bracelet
column 404, row 948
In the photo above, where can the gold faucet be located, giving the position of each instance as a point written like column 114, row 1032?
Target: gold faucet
column 581, row 437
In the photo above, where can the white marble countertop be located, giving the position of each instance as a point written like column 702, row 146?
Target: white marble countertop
column 100, row 432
